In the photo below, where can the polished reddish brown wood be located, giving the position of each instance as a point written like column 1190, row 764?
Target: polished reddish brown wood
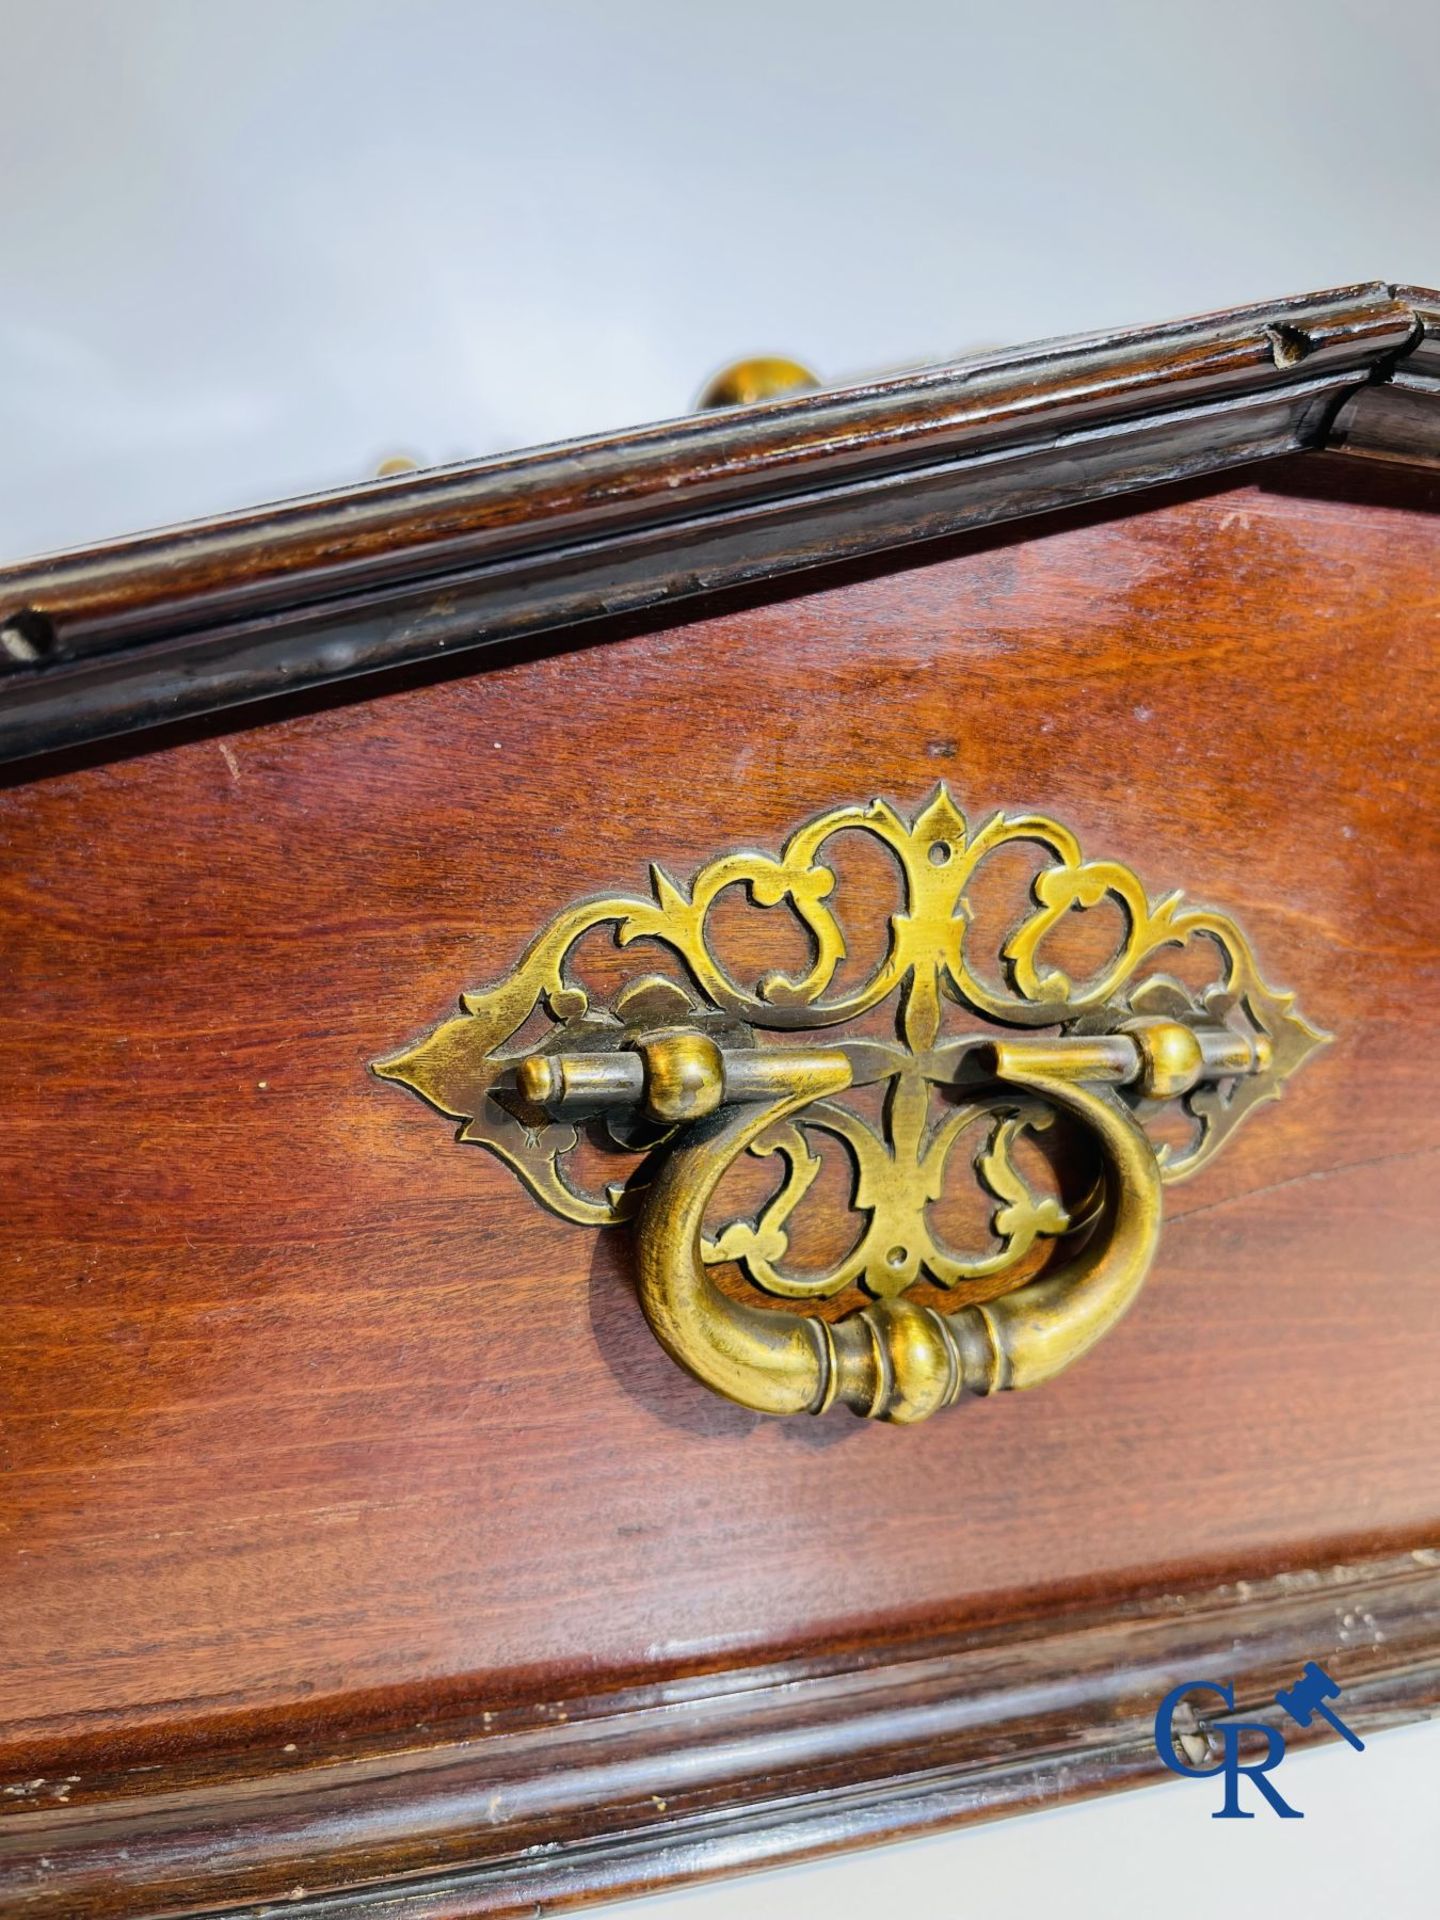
column 320, row 1438
column 313, row 1414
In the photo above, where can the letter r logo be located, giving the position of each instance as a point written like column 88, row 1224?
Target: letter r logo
column 1229, row 1763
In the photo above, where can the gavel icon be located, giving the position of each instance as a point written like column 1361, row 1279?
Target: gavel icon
column 1307, row 1698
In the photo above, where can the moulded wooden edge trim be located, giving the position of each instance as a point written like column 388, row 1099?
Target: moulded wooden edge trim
column 1399, row 420
column 635, row 572
column 433, row 520
column 751, row 1768
column 172, row 625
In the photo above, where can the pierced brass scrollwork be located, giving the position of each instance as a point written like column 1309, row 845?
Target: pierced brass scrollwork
column 679, row 1074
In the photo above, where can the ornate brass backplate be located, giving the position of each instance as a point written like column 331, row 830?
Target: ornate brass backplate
column 676, row 1073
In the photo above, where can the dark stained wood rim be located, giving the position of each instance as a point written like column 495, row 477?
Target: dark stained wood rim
column 167, row 626
column 584, row 1800
column 1399, row 419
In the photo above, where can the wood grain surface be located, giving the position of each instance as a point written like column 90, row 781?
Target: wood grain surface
column 313, row 1420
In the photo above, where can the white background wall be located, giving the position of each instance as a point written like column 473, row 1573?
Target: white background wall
column 248, row 249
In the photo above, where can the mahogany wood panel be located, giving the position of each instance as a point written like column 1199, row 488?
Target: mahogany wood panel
column 314, row 1419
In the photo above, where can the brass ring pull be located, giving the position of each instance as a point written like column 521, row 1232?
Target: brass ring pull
column 675, row 1072
column 893, row 1360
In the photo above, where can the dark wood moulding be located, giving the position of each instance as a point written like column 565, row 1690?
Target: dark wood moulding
column 573, row 1801
column 201, row 618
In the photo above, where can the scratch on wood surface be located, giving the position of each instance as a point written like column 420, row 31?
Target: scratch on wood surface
column 1298, row 1179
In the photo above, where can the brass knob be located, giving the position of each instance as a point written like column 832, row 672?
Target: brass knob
column 745, row 382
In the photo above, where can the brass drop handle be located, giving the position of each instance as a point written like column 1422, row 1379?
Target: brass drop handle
column 891, row 1360
column 688, row 1073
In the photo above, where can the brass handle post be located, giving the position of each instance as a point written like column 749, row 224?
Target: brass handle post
column 1165, row 1056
